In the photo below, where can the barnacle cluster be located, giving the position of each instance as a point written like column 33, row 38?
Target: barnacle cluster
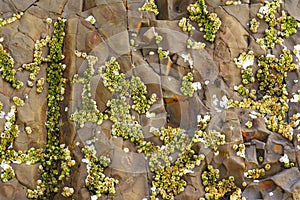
column 254, row 24
column 7, row 69
column 162, row 53
column 187, row 85
column 150, row 6
column 286, row 162
column 245, row 61
column 7, row 137
column 8, row 154
column 96, row 181
column 185, row 24
column 269, row 12
column 255, row 173
column 273, row 105
column 11, row 131
column 195, row 45
column 115, row 81
column 19, row 102
column 168, row 179
column 10, row 20
column 229, row 3
column 89, row 111
column 34, row 67
column 215, row 188
column 67, row 192
column 208, row 22
column 7, row 173
column 211, row 139
column 124, row 124
column 57, row 160
column 240, row 149
column 168, row 168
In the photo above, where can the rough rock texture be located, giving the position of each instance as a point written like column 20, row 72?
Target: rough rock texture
column 117, row 22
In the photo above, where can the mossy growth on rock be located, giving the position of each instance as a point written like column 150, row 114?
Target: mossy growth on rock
column 10, row 20
column 96, row 181
column 150, row 6
column 273, row 105
column 115, row 81
column 208, row 22
column 281, row 25
column 34, row 67
column 89, row 111
column 271, row 99
column 8, row 155
column 217, row 189
column 168, row 168
column 57, row 161
column 7, row 69
column 187, row 85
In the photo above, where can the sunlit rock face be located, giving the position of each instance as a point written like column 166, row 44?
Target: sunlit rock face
column 152, row 47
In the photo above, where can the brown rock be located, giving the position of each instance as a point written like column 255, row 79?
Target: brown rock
column 140, row 186
column 84, row 194
column 72, row 8
column 28, row 24
column 27, row 174
column 55, row 6
column 287, row 178
column 23, row 5
column 205, row 65
column 21, row 47
column 240, row 13
column 7, row 191
column 296, row 191
column 26, row 114
column 252, row 192
column 232, row 33
column 171, row 86
column 293, row 8
column 102, row 96
column 251, row 156
column 6, row 8
column 130, row 162
column 190, row 192
column 12, row 190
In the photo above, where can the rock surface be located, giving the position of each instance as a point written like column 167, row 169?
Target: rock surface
column 117, row 23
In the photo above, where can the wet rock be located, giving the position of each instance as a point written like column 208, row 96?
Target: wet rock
column 275, row 148
column 140, row 186
column 26, row 114
column 21, row 48
column 7, row 191
column 102, row 96
column 190, row 192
